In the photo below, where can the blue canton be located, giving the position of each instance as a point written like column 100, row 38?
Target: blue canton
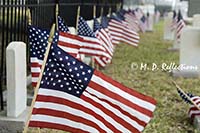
column 104, row 22
column 61, row 25
column 38, row 40
column 65, row 73
column 97, row 26
column 184, row 97
column 84, row 29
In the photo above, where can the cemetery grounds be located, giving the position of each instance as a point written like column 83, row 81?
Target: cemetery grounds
column 171, row 112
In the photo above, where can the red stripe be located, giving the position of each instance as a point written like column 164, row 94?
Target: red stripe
column 35, row 74
column 55, row 126
column 70, row 45
column 142, row 123
column 119, row 98
column 65, row 115
column 122, row 87
column 111, row 114
column 71, row 36
column 34, row 64
column 75, row 106
column 34, row 84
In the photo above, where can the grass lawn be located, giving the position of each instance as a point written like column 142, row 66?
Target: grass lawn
column 170, row 115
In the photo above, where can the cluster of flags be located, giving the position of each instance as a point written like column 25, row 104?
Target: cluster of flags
column 73, row 96
column 177, row 24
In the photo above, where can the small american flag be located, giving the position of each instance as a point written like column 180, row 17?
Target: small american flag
column 86, row 32
column 38, row 40
column 105, row 39
column 61, row 25
column 193, row 111
column 76, row 98
column 179, row 26
column 122, row 32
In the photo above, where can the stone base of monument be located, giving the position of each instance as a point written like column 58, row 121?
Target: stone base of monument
column 11, row 124
column 196, row 122
column 186, row 73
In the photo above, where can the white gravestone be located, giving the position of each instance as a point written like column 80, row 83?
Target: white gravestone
column 16, row 78
column 150, row 22
column 168, row 32
column 196, row 20
column 72, row 30
column 189, row 53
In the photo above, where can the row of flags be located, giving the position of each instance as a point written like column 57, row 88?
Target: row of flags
column 73, row 96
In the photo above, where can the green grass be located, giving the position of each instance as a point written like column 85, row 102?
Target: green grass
column 170, row 115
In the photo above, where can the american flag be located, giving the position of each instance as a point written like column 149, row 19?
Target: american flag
column 174, row 21
column 193, row 111
column 38, row 40
column 61, row 25
column 86, row 32
column 76, row 45
column 179, row 26
column 76, row 98
column 143, row 24
column 132, row 21
column 70, row 43
column 120, row 31
column 105, row 39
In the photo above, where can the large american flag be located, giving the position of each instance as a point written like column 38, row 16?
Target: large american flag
column 193, row 111
column 76, row 98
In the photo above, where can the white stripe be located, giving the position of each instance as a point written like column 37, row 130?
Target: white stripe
column 34, row 79
column 115, row 111
column 100, row 53
column 36, row 60
column 93, row 45
column 69, row 40
column 100, row 61
column 35, row 69
column 77, row 100
column 69, row 50
column 51, row 119
column 70, row 110
column 127, row 96
column 124, row 107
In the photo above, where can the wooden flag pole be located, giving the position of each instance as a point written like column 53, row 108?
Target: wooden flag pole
column 178, row 87
column 56, row 14
column 94, row 16
column 77, row 18
column 110, row 11
column 101, row 12
column 29, row 16
column 50, row 40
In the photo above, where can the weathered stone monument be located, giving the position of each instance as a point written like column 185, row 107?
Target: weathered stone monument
column 189, row 53
column 12, row 120
column 16, row 78
column 168, row 32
